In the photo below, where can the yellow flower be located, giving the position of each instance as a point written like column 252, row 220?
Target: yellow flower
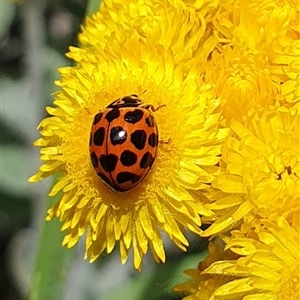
column 243, row 81
column 257, row 25
column 188, row 127
column 202, row 286
column 260, row 171
column 169, row 23
column 257, row 54
column 269, row 268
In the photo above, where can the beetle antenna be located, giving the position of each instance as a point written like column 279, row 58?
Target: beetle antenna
column 143, row 92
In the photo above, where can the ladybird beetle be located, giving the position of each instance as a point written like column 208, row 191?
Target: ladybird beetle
column 123, row 142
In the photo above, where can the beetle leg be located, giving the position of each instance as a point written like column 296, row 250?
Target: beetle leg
column 162, row 142
column 152, row 108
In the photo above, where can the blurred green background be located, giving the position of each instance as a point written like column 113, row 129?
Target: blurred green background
column 35, row 34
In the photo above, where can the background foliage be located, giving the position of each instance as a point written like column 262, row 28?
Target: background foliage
column 34, row 37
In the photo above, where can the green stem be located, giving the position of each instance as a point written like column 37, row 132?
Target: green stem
column 52, row 262
column 92, row 7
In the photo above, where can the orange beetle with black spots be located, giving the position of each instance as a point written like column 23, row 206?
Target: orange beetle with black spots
column 123, row 143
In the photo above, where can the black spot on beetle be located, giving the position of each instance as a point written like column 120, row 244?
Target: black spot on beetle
column 130, row 101
column 150, row 121
column 138, row 139
column 127, row 101
column 153, row 139
column 97, row 118
column 99, row 136
column 123, row 177
column 147, row 160
column 118, row 135
column 134, row 116
column 94, row 159
column 128, row 158
column 108, row 162
column 113, row 114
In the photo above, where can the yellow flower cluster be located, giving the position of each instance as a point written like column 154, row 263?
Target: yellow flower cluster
column 256, row 196
column 226, row 74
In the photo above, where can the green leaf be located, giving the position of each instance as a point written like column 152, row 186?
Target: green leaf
column 132, row 290
column 168, row 275
column 93, row 6
column 159, row 283
column 52, row 262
